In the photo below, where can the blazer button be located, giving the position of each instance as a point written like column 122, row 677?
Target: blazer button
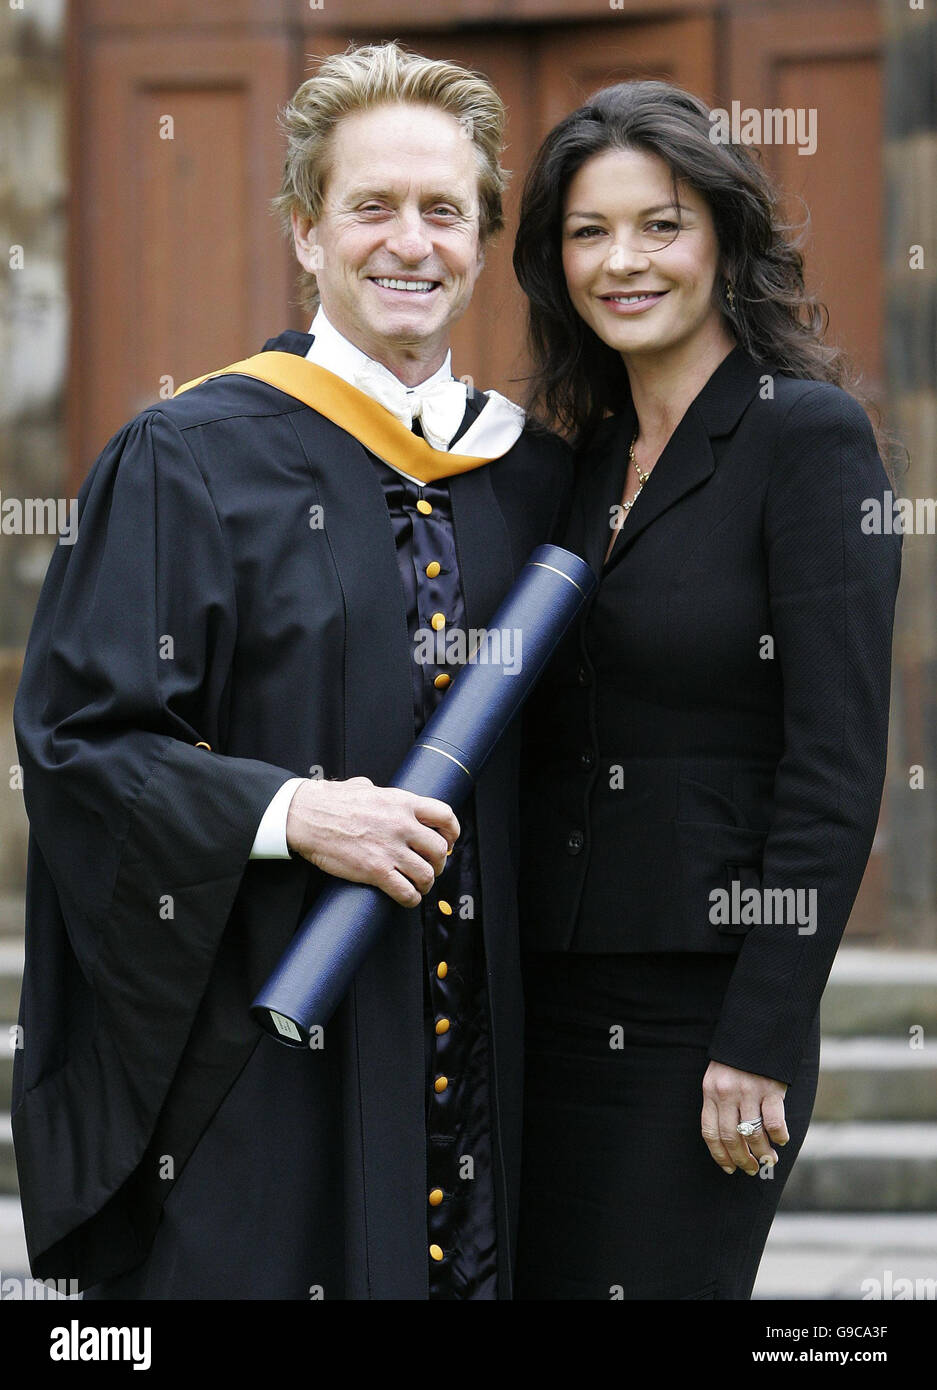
column 582, row 675
column 575, row 841
column 586, row 759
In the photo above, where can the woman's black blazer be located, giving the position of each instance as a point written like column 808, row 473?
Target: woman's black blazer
column 721, row 714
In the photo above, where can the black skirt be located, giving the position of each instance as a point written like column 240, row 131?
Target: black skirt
column 620, row 1197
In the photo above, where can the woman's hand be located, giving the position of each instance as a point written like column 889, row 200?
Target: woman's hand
column 730, row 1096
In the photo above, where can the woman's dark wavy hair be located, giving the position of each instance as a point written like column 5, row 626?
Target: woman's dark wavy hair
column 577, row 378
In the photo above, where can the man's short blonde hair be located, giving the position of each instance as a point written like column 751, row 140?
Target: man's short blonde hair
column 375, row 75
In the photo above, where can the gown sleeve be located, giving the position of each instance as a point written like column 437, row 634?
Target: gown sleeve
column 138, row 838
column 832, row 591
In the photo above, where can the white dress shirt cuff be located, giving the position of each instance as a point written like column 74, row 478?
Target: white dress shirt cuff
column 270, row 840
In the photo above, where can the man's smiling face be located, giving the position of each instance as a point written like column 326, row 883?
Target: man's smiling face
column 395, row 249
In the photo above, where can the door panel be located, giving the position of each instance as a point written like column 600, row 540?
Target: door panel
column 834, row 66
column 573, row 65
column 177, row 265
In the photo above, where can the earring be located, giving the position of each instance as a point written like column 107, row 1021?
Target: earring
column 730, row 295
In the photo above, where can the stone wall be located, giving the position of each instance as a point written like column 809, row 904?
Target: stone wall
column 910, row 159
column 33, row 344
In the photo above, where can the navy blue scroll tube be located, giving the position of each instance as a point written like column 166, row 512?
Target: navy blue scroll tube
column 335, row 936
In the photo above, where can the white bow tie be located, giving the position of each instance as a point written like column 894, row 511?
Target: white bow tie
column 440, row 408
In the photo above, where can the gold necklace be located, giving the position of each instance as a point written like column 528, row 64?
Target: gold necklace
column 643, row 477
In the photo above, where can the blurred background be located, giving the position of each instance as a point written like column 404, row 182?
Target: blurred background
column 138, row 152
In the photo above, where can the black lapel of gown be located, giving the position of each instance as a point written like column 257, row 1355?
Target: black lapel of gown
column 381, row 1021
column 483, row 544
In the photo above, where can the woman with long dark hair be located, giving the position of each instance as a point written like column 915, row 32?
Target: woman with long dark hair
column 705, row 760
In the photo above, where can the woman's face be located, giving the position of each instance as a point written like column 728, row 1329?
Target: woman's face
column 642, row 293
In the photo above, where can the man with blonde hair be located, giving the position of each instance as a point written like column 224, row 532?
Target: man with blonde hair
column 223, row 674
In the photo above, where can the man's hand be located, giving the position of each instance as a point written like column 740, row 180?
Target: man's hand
column 729, row 1096
column 392, row 839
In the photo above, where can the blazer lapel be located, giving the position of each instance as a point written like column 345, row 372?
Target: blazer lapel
column 686, row 462
column 688, row 459
column 603, row 472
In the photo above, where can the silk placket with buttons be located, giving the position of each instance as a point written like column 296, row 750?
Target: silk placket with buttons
column 461, row 1229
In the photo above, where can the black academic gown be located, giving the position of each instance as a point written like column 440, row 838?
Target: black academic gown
column 234, row 583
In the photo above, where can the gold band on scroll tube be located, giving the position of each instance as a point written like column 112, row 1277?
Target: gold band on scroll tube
column 445, row 755
column 541, row 566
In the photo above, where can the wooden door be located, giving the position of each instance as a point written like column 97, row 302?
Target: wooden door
column 176, row 264
column 832, row 65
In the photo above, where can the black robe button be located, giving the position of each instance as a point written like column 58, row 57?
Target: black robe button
column 575, row 841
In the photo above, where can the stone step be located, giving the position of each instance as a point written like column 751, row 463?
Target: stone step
column 11, row 974
column 890, row 1167
column 12, row 916
column 881, row 992
column 876, row 1079
column 870, row 992
column 807, row 1257
column 815, row 1255
column 11, row 969
column 873, row 1143
column 849, row 1256
column 8, row 1183
column 12, row 1238
column 15, row 1279
column 859, row 1081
